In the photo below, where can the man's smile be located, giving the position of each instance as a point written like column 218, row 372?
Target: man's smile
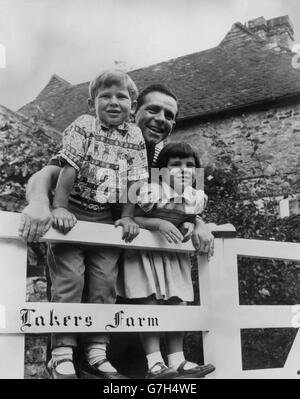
column 155, row 129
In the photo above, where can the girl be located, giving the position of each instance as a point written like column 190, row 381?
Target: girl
column 169, row 206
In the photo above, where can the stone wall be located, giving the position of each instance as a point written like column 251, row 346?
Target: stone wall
column 263, row 143
column 36, row 345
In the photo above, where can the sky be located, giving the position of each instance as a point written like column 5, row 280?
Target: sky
column 76, row 39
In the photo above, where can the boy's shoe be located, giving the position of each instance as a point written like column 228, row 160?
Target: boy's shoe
column 194, row 372
column 53, row 374
column 164, row 372
column 88, row 372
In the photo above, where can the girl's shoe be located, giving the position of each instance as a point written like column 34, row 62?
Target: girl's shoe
column 86, row 371
column 53, row 374
column 163, row 372
column 194, row 372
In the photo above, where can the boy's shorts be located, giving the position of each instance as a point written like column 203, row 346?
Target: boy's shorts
column 76, row 269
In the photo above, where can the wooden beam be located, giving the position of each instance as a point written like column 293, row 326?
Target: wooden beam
column 13, row 258
column 104, row 235
column 268, row 249
column 270, row 374
column 30, row 317
column 222, row 345
column 276, row 316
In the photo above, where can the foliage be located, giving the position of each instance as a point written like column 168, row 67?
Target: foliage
column 24, row 149
column 267, row 347
column 261, row 282
column 22, row 154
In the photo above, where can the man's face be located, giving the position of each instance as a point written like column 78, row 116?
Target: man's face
column 156, row 117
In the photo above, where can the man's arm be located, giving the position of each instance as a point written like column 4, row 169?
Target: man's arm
column 64, row 220
column 202, row 238
column 36, row 216
column 42, row 182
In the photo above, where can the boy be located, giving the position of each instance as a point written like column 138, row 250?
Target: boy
column 95, row 150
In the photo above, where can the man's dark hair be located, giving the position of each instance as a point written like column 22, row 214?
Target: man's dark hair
column 150, row 89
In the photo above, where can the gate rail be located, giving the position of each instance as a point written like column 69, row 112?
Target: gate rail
column 220, row 316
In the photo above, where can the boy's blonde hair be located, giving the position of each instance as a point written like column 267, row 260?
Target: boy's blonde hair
column 113, row 77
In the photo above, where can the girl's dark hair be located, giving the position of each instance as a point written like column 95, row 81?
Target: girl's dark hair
column 176, row 150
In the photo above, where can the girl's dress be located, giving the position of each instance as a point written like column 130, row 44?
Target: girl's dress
column 159, row 273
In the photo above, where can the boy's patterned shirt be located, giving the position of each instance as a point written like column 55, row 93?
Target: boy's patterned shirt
column 105, row 158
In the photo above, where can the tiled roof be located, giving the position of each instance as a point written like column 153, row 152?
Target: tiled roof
column 243, row 70
column 55, row 85
column 24, row 124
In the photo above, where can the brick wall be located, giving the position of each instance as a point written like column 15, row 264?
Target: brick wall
column 36, row 345
column 263, row 143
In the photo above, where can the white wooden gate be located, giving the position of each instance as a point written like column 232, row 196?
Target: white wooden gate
column 220, row 316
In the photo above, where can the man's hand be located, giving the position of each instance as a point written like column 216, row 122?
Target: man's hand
column 63, row 220
column 170, row 232
column 187, row 229
column 130, row 228
column 202, row 239
column 36, row 219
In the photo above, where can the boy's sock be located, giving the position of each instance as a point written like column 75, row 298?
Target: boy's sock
column 97, row 352
column 154, row 358
column 175, row 359
column 63, row 352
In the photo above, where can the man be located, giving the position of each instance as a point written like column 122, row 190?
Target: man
column 157, row 108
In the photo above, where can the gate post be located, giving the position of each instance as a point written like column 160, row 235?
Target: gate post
column 13, row 261
column 219, row 291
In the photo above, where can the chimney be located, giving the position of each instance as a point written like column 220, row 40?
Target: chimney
column 281, row 31
column 259, row 27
